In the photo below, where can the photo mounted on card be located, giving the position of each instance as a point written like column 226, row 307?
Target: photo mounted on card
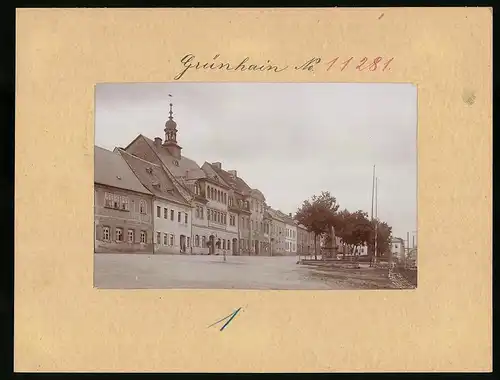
column 253, row 190
column 213, row 185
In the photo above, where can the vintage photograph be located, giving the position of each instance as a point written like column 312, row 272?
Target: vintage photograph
column 271, row 186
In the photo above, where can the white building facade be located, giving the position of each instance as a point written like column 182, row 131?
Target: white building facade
column 172, row 227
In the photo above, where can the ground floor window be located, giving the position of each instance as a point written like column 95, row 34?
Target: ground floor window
column 143, row 236
column 204, row 241
column 172, row 240
column 223, row 243
column 130, row 236
column 158, row 238
column 165, row 239
column 105, row 233
column 197, row 241
column 119, row 234
column 228, row 244
column 188, row 241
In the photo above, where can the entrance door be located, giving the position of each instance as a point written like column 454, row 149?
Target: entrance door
column 183, row 244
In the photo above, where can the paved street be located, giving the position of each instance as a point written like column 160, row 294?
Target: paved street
column 128, row 271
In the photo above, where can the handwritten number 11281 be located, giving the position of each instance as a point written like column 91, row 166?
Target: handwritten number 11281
column 374, row 64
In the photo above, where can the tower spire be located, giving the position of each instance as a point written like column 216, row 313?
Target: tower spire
column 171, row 113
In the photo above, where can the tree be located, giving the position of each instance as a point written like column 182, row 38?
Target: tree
column 318, row 215
column 384, row 234
column 355, row 229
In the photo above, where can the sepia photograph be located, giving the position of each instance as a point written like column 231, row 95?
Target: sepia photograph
column 268, row 186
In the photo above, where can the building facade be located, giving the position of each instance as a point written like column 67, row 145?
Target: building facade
column 277, row 232
column 290, row 235
column 398, row 248
column 122, row 207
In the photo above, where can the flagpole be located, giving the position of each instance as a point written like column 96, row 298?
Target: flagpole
column 376, row 218
column 371, row 214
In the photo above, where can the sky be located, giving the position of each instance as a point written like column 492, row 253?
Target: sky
column 289, row 140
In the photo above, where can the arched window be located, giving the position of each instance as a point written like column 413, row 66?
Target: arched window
column 223, row 243
column 229, row 245
column 208, row 191
column 225, row 198
column 197, row 241
column 203, row 241
column 212, row 193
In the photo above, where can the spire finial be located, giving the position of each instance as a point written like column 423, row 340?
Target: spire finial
column 170, row 112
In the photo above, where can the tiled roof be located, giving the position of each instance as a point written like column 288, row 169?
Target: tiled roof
column 184, row 168
column 110, row 169
column 154, row 178
column 235, row 183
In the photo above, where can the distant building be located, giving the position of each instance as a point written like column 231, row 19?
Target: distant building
column 122, row 206
column 290, row 234
column 277, row 232
column 398, row 248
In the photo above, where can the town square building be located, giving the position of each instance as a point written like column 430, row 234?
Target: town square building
column 122, row 206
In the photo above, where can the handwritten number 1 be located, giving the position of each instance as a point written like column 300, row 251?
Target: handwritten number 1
column 230, row 316
column 386, row 66
column 331, row 63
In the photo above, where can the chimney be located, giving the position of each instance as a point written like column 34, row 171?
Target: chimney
column 158, row 142
column 218, row 165
column 233, row 173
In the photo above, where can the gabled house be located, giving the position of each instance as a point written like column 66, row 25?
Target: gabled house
column 172, row 213
column 122, row 206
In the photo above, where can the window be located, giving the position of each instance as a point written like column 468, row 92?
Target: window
column 178, row 216
column 158, row 211
column 171, row 214
column 223, row 243
column 165, row 239
column 142, row 207
column 197, row 241
column 108, row 200
column 396, row 246
column 158, row 238
column 165, row 213
column 116, row 201
column 230, row 201
column 228, row 245
column 105, row 233
column 225, row 198
column 125, row 203
column 225, row 220
column 201, row 212
column 188, row 241
column 186, row 218
column 130, row 236
column 172, row 240
column 208, row 215
column 119, row 234
column 218, row 195
column 197, row 212
column 204, row 241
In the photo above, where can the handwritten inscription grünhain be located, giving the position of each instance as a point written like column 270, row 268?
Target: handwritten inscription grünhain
column 369, row 64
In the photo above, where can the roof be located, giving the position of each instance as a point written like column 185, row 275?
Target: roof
column 154, row 178
column 182, row 168
column 275, row 214
column 110, row 169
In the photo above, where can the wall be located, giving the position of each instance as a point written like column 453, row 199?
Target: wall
column 132, row 219
column 168, row 227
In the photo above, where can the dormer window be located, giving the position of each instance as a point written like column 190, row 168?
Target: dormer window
column 149, row 170
column 118, row 177
column 176, row 163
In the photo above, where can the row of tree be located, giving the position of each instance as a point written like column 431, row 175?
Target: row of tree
column 355, row 229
